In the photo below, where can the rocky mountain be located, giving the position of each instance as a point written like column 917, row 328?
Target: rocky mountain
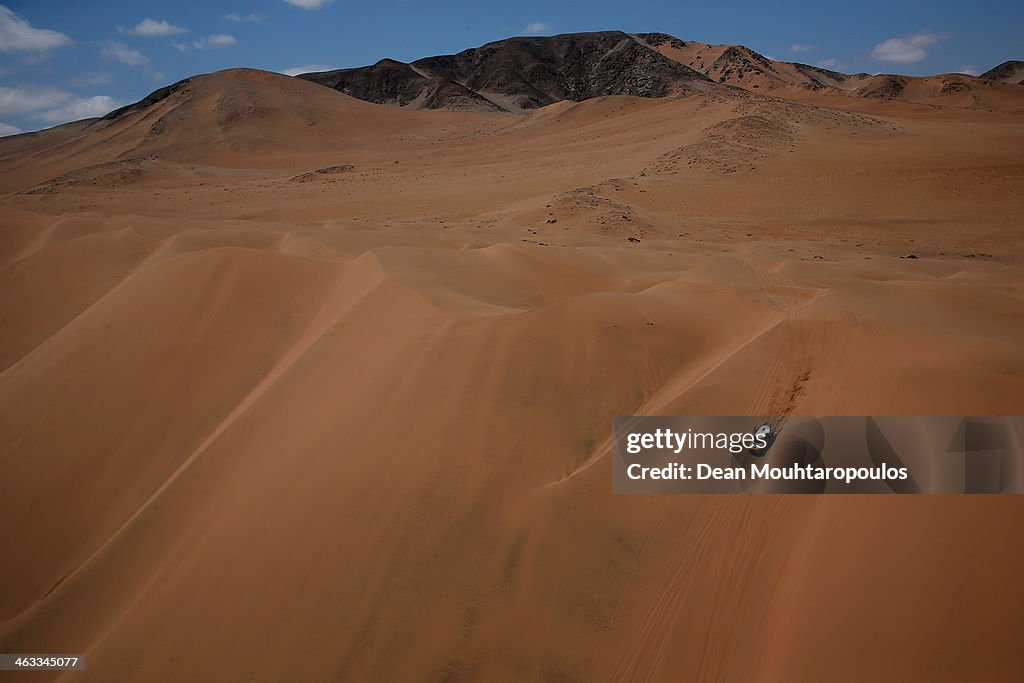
column 740, row 66
column 519, row 74
column 1008, row 72
column 402, row 85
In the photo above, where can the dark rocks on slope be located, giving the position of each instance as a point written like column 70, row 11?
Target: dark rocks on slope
column 151, row 99
column 885, row 87
column 659, row 39
column 522, row 73
column 1007, row 72
column 386, row 82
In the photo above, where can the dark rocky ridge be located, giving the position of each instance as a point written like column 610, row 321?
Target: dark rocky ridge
column 827, row 75
column 150, row 99
column 659, row 39
column 522, row 73
column 1007, row 72
column 398, row 84
column 885, row 87
column 737, row 62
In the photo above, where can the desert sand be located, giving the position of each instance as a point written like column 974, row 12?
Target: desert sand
column 299, row 387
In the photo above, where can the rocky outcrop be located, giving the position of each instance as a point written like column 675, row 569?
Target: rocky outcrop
column 523, row 73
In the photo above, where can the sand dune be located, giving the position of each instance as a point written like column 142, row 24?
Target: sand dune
column 356, row 426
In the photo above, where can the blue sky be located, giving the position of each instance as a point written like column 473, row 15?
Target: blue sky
column 62, row 60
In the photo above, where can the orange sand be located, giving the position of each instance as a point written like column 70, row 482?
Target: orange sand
column 263, row 423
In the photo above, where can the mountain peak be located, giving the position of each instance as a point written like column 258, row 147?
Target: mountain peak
column 1008, row 72
column 523, row 73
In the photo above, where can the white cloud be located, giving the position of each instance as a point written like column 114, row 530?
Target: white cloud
column 248, row 18
column 800, row 47
column 21, row 100
column 213, row 42
column 82, row 108
column 536, row 28
column 308, row 4
column 122, row 53
column 153, row 27
column 907, row 49
column 828, row 64
column 17, row 35
column 969, row 69
column 305, row 69
column 6, row 129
